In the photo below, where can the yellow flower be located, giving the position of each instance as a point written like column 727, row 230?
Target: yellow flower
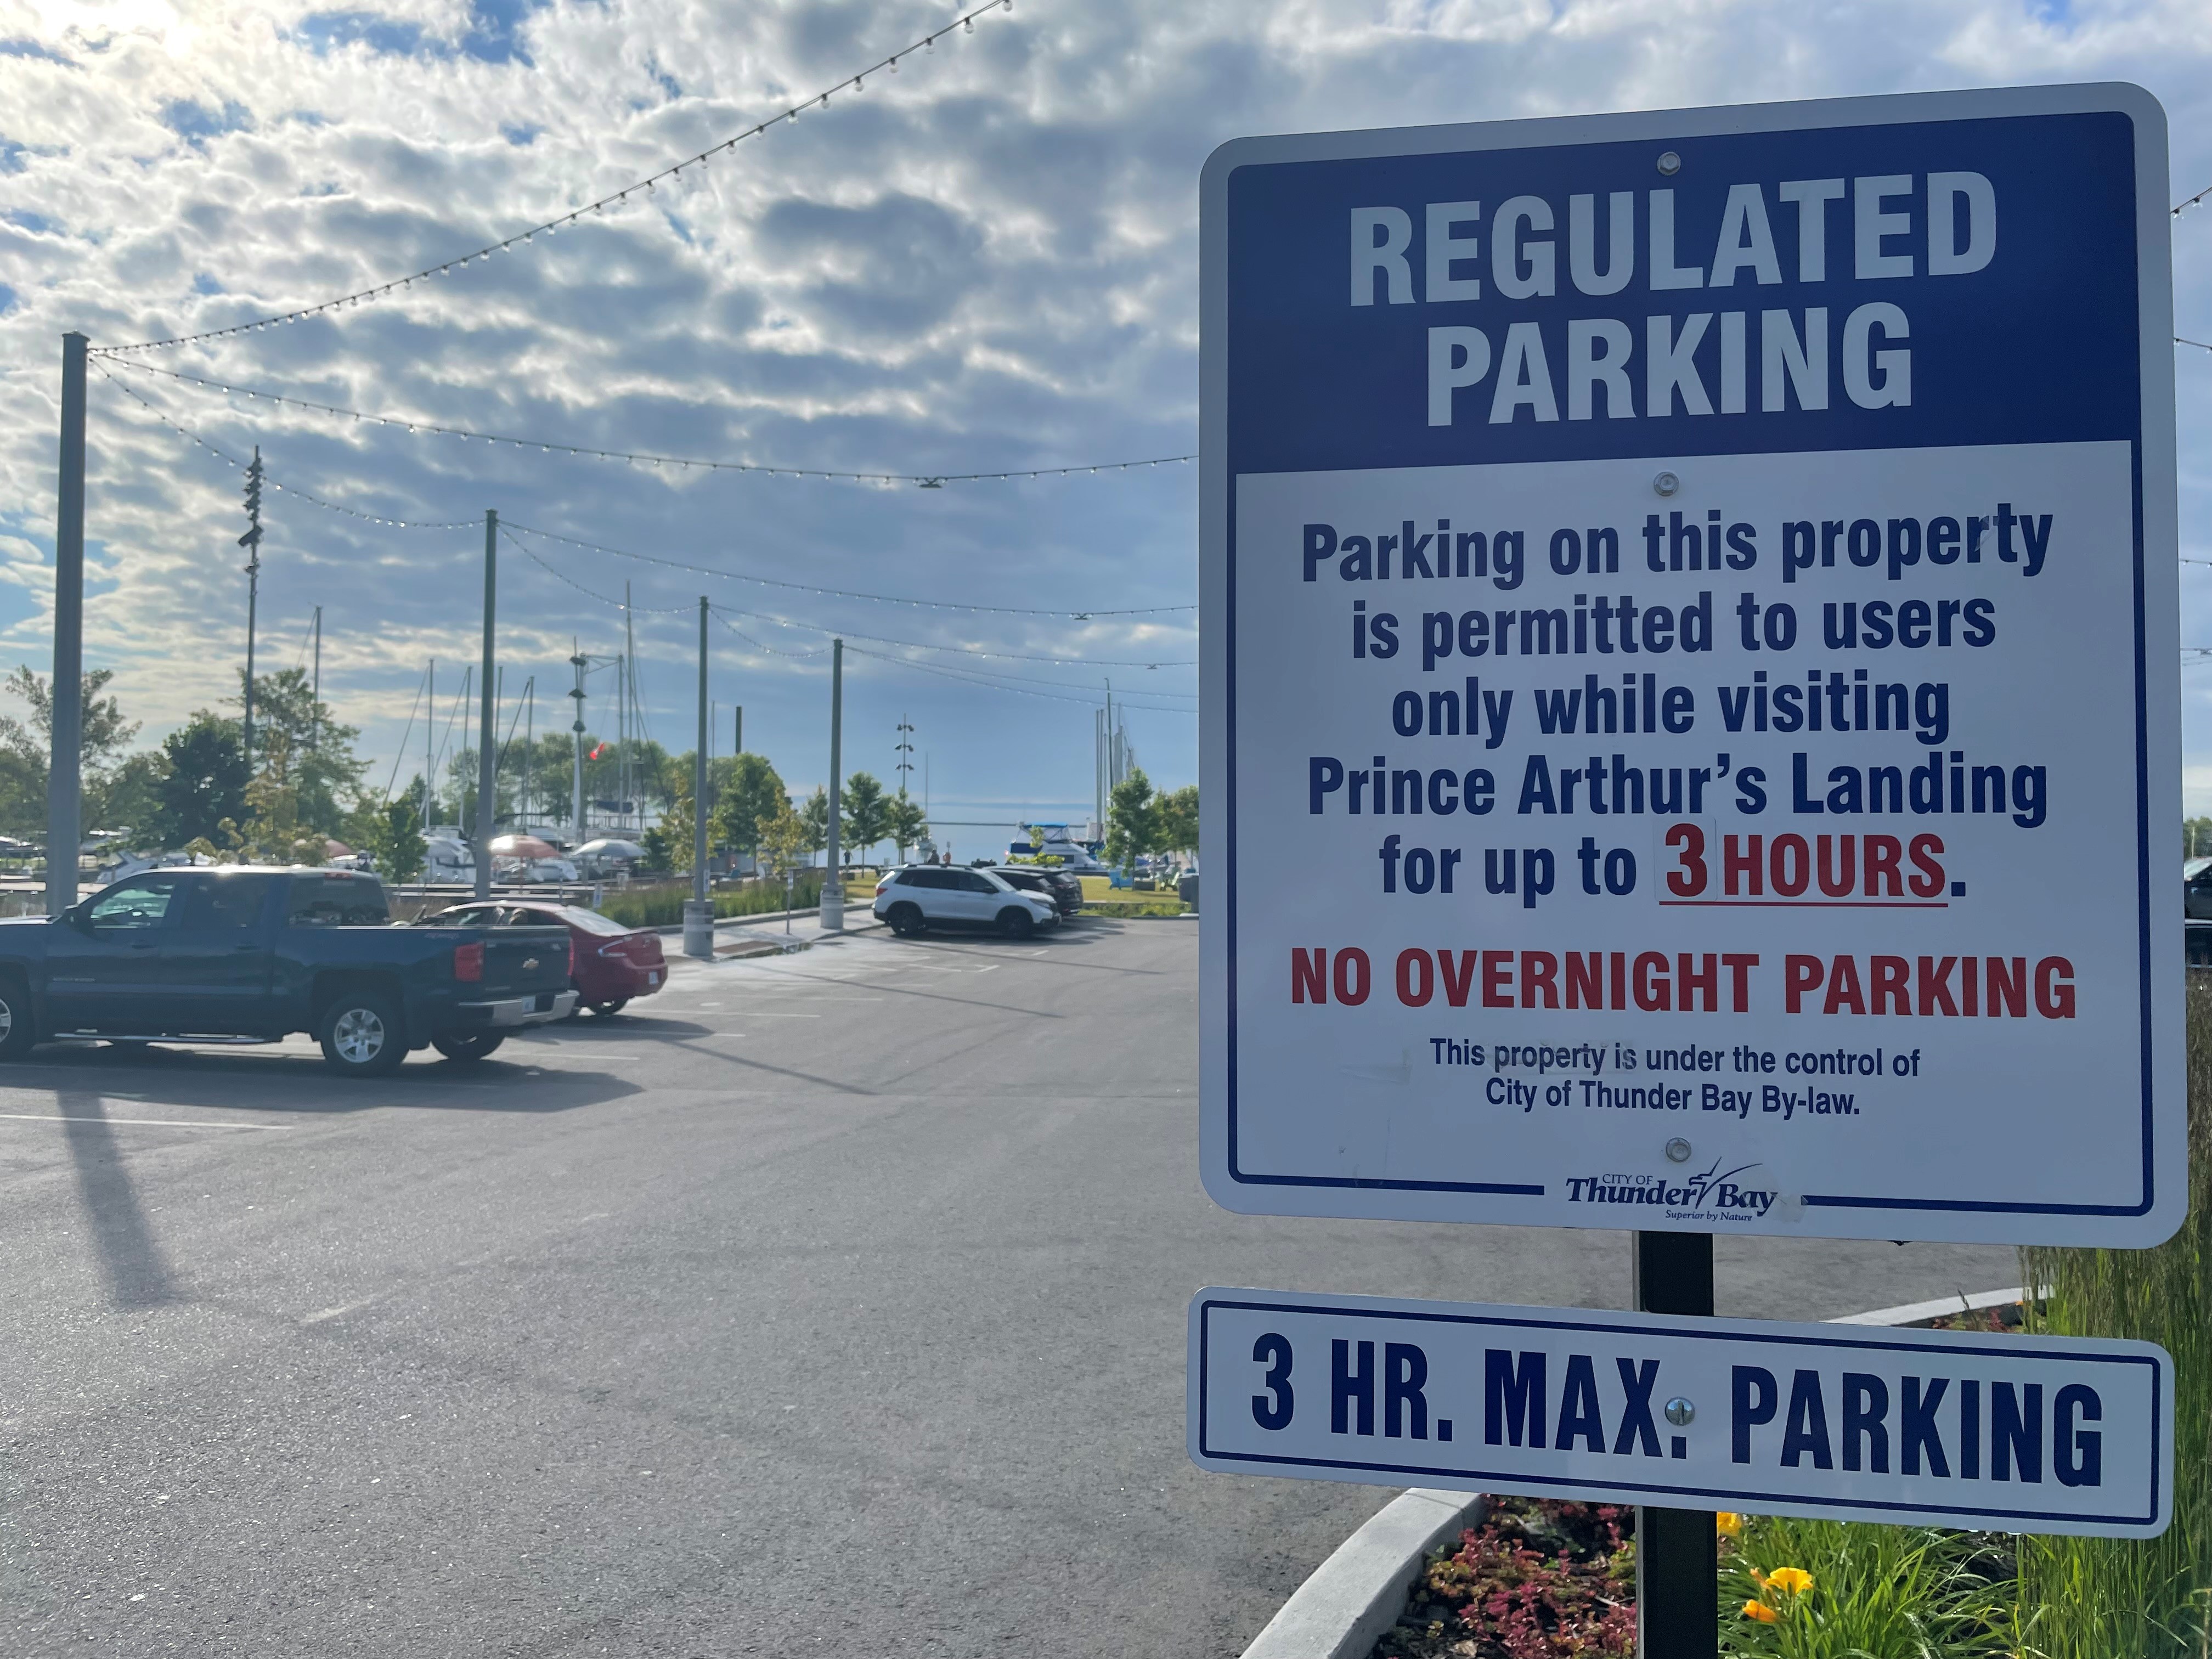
column 1729, row 1524
column 1792, row 1580
column 1760, row 1610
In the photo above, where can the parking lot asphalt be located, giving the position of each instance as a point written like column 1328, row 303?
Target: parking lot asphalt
column 831, row 1302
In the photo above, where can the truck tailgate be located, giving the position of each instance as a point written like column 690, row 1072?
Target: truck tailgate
column 520, row 960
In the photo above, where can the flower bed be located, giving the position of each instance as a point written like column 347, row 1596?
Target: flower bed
column 1537, row 1578
column 1541, row 1579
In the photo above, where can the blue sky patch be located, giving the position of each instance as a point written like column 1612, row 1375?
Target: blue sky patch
column 495, row 31
column 326, row 31
column 19, row 47
column 194, row 122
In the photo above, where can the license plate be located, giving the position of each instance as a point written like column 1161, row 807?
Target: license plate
column 653, row 978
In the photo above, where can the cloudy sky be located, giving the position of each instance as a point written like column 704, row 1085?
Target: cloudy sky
column 985, row 262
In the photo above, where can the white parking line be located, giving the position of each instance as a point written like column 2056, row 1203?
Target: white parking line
column 138, row 1123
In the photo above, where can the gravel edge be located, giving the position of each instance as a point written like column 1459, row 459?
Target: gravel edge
column 1351, row 1599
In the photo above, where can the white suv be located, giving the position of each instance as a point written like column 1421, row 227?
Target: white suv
column 954, row 895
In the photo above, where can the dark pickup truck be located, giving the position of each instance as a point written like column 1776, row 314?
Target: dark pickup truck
column 240, row 955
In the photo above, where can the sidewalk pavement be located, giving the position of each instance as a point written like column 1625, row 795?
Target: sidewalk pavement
column 739, row 937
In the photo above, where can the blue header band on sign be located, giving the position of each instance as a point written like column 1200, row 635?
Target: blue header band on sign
column 1319, row 382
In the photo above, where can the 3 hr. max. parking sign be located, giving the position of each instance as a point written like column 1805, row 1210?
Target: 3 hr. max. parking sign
column 1690, row 672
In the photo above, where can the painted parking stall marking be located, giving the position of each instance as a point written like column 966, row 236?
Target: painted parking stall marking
column 1693, row 700
column 2042, row 1434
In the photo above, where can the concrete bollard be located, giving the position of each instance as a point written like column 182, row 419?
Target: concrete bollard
column 698, row 927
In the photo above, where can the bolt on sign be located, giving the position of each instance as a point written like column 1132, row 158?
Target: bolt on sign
column 2023, row 1434
column 1691, row 672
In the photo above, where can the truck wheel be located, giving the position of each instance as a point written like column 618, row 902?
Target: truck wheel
column 18, row 1030
column 904, row 920
column 467, row 1046
column 1016, row 924
column 360, row 1034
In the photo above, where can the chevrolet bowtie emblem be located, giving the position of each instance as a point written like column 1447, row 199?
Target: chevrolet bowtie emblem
column 531, row 961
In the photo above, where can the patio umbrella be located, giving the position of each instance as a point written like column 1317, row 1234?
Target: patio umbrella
column 606, row 849
column 523, row 846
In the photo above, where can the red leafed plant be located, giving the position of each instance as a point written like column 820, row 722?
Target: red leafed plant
column 1538, row 1580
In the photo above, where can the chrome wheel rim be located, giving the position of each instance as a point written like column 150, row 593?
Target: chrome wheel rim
column 7, row 1020
column 358, row 1036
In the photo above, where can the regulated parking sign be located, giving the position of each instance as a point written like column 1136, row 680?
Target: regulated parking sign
column 1691, row 669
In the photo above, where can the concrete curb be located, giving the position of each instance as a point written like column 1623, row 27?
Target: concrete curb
column 1920, row 1313
column 1342, row 1610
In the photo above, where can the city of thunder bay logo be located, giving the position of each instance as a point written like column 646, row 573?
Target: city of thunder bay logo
column 1717, row 1194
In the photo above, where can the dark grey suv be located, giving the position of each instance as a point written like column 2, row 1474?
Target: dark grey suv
column 1064, row 891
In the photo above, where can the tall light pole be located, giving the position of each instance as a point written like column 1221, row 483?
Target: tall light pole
column 315, row 712
column 579, row 662
column 251, row 541
column 65, row 809
column 698, row 914
column 833, row 885
column 487, row 761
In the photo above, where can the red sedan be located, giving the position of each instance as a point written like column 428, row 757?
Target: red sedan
column 608, row 963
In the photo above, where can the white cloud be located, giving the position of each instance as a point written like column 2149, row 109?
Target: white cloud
column 987, row 260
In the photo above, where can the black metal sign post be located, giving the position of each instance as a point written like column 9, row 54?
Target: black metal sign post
column 1677, row 1552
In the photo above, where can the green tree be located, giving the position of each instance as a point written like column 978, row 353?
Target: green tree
column 1175, row 821
column 751, row 795
column 320, row 765
column 1131, row 819
column 28, row 750
column 815, row 815
column 2196, row 838
column 784, row 840
column 205, row 782
column 669, row 844
column 866, row 811
column 275, row 832
column 908, row 826
column 392, row 834
column 129, row 797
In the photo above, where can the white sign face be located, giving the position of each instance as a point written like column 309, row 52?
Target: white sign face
column 1955, row 1429
column 1690, row 674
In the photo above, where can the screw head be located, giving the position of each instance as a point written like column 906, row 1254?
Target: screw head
column 1680, row 1412
column 1665, row 483
column 1669, row 163
column 1678, row 1150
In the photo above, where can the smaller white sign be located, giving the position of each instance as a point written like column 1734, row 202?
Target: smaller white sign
column 2018, row 1433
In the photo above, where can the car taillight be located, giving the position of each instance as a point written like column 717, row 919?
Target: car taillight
column 468, row 962
column 572, row 955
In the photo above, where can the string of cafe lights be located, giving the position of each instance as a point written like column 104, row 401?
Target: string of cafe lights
column 724, row 611
column 762, row 644
column 644, row 457
column 590, row 593
column 844, row 592
column 927, row 44
column 552, row 570
column 2191, row 201
column 986, row 683
column 293, row 490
